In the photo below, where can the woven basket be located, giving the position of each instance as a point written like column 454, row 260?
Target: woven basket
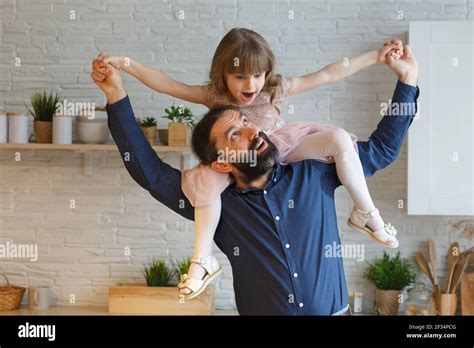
column 10, row 296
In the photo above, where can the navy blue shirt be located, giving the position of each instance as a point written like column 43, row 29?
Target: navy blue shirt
column 274, row 238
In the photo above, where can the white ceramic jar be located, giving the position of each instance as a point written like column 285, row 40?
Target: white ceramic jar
column 17, row 128
column 62, row 129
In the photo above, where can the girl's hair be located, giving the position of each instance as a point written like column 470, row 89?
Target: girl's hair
column 243, row 51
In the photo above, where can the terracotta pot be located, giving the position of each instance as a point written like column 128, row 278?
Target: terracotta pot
column 446, row 304
column 43, row 131
column 386, row 302
column 178, row 134
column 150, row 134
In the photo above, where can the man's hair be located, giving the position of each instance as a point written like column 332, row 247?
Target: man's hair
column 203, row 146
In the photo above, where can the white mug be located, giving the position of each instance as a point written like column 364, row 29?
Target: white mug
column 38, row 297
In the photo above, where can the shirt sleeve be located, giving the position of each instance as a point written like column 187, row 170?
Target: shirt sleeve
column 143, row 164
column 384, row 144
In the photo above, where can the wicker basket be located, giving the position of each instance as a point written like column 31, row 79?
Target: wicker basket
column 10, row 296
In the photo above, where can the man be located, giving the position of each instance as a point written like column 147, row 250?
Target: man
column 276, row 220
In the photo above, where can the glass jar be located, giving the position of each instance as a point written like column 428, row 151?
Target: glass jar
column 420, row 301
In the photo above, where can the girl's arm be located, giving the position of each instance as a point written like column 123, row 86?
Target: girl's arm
column 342, row 69
column 156, row 80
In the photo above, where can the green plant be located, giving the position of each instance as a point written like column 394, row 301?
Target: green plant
column 148, row 122
column 158, row 273
column 44, row 105
column 181, row 114
column 390, row 273
column 182, row 267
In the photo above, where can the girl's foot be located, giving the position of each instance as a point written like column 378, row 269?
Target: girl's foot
column 205, row 271
column 371, row 224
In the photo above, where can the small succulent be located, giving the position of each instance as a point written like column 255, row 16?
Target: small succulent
column 181, row 114
column 148, row 122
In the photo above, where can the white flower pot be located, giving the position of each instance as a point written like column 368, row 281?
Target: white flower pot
column 17, row 128
column 62, row 129
column 3, row 129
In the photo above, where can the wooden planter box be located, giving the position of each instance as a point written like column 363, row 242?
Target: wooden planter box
column 178, row 134
column 137, row 299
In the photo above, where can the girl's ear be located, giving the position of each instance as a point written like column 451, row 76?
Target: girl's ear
column 221, row 167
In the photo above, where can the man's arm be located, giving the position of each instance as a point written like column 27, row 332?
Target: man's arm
column 146, row 168
column 384, row 144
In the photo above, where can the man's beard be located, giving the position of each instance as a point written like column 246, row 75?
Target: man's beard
column 265, row 161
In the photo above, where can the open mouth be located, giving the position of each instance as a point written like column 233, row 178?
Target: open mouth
column 247, row 96
column 261, row 146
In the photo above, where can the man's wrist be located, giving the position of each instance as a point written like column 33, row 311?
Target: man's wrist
column 114, row 95
column 409, row 78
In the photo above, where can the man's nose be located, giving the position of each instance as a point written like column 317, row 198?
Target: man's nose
column 252, row 132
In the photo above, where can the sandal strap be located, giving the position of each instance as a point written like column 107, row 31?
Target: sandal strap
column 192, row 284
column 209, row 263
column 368, row 214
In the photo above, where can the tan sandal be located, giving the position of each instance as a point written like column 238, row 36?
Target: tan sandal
column 384, row 236
column 197, row 286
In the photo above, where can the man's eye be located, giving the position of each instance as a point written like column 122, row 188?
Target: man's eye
column 240, row 77
column 245, row 122
column 235, row 134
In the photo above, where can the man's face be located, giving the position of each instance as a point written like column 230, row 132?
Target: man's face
column 243, row 146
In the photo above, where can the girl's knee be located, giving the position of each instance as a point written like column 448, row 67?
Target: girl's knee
column 339, row 137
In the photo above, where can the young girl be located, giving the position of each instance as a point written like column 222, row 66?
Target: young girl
column 242, row 75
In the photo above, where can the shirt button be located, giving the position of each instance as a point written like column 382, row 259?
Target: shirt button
column 295, row 275
column 275, row 180
column 301, row 304
column 277, row 218
column 287, row 246
column 265, row 192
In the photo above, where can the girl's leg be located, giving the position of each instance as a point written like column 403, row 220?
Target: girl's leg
column 338, row 144
column 206, row 219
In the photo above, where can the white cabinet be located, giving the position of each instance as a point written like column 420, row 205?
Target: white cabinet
column 440, row 139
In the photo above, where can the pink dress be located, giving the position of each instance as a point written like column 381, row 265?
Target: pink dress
column 202, row 185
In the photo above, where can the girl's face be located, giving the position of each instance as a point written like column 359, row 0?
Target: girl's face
column 244, row 88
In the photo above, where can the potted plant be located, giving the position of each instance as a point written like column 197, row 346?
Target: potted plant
column 148, row 127
column 390, row 275
column 160, row 295
column 182, row 267
column 44, row 108
column 181, row 121
column 158, row 273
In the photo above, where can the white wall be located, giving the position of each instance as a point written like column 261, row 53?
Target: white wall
column 81, row 250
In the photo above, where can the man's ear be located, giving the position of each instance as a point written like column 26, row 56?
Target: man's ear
column 221, row 167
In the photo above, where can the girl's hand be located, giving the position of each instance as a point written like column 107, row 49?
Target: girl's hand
column 393, row 47
column 118, row 62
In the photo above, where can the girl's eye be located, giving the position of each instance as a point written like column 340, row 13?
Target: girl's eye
column 257, row 76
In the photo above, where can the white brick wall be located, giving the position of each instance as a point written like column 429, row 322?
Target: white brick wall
column 82, row 250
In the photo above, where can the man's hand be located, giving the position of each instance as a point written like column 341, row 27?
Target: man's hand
column 394, row 46
column 406, row 66
column 108, row 79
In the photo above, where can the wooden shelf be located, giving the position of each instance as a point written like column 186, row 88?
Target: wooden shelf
column 88, row 150
column 88, row 147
